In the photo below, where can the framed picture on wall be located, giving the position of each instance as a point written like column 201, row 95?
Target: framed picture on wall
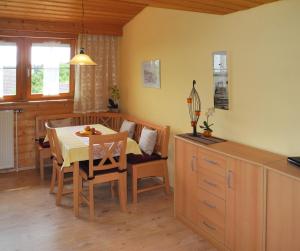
column 220, row 80
column 151, row 73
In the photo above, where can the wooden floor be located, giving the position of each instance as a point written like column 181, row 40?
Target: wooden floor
column 29, row 220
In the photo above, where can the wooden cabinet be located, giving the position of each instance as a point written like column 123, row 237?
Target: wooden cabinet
column 283, row 213
column 240, row 198
column 220, row 197
column 244, row 210
column 186, row 180
column 211, row 194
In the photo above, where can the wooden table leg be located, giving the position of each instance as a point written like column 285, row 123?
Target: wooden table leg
column 76, row 189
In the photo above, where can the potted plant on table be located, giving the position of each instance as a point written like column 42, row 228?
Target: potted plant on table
column 206, row 126
column 113, row 101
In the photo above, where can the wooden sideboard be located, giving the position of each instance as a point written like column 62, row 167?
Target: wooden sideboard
column 238, row 197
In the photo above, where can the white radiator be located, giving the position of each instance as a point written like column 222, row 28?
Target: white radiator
column 6, row 139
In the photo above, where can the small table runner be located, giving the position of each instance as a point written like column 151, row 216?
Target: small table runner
column 200, row 138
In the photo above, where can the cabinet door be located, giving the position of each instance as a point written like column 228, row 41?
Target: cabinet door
column 185, row 180
column 244, row 206
column 283, row 213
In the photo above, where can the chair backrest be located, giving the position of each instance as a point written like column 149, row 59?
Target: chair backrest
column 108, row 119
column 54, row 144
column 40, row 121
column 110, row 149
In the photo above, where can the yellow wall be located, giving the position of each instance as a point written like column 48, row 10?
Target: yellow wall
column 263, row 45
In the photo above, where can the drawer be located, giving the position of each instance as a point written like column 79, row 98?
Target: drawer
column 212, row 207
column 212, row 183
column 214, row 230
column 213, row 162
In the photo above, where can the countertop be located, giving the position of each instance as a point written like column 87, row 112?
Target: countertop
column 269, row 160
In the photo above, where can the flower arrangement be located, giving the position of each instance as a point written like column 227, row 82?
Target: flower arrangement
column 206, row 126
column 115, row 93
column 114, row 100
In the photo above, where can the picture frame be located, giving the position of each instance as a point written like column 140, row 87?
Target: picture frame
column 220, row 80
column 151, row 73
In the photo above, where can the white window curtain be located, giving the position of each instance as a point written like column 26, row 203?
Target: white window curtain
column 93, row 83
column 1, row 81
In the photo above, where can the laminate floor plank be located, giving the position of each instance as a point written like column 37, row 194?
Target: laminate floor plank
column 30, row 221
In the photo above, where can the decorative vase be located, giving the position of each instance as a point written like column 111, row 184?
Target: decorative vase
column 206, row 133
column 114, row 110
column 194, row 105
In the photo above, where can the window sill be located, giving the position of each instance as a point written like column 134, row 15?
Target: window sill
column 33, row 102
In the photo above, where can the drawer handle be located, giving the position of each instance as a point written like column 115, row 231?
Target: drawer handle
column 194, row 163
column 208, row 204
column 210, row 183
column 208, row 225
column 211, row 161
column 229, row 179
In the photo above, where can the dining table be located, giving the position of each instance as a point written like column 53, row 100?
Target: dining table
column 75, row 148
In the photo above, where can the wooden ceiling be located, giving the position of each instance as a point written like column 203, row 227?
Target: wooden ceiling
column 100, row 16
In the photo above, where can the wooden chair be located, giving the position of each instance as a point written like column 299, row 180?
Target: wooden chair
column 107, row 168
column 58, row 171
column 43, row 151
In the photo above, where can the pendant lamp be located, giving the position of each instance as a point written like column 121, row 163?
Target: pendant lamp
column 82, row 58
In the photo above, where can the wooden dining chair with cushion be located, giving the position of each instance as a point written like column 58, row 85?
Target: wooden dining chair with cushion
column 107, row 163
column 58, row 171
column 43, row 152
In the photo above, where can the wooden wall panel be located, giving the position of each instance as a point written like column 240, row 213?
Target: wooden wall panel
column 26, row 125
column 16, row 27
column 100, row 17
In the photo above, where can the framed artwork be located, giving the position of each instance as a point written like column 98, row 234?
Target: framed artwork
column 151, row 73
column 220, row 80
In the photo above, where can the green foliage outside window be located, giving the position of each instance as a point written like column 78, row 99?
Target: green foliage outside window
column 37, row 77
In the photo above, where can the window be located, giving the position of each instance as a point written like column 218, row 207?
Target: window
column 44, row 70
column 50, row 71
column 8, row 69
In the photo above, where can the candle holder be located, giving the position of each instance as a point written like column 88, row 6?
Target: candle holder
column 194, row 105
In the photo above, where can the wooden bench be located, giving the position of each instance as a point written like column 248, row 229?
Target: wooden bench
column 149, row 166
column 142, row 166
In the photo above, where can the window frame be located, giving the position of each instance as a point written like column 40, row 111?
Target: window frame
column 31, row 96
column 23, row 69
column 18, row 70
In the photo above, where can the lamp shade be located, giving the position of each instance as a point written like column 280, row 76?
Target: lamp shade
column 82, row 59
